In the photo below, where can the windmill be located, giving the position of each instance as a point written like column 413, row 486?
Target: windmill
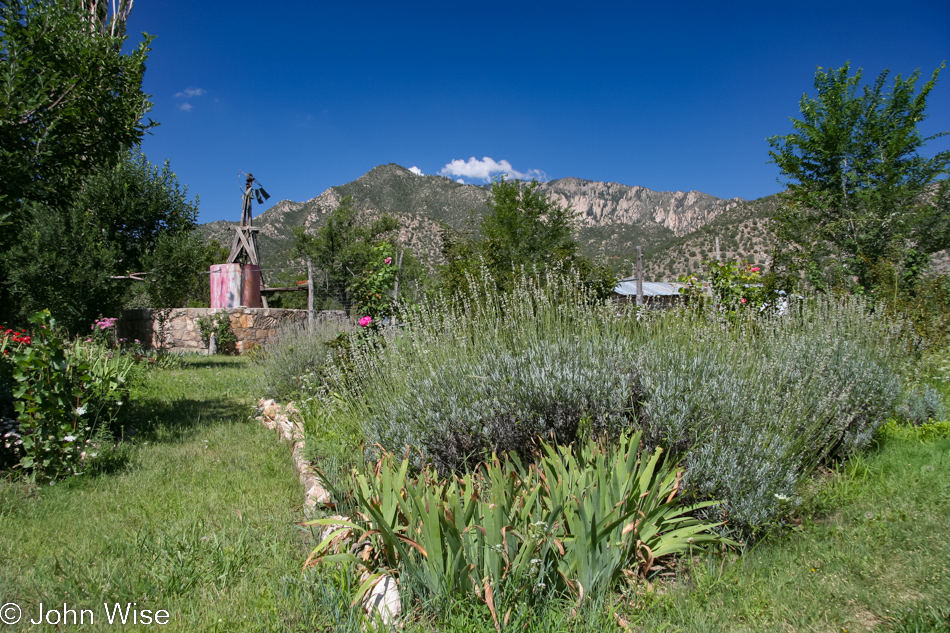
column 244, row 246
column 238, row 282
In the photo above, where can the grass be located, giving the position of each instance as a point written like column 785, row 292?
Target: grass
column 194, row 514
column 872, row 555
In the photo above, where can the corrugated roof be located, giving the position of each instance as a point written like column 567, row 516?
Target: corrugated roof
column 628, row 288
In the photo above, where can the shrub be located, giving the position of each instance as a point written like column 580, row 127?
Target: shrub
column 63, row 396
column 927, row 306
column 218, row 325
column 922, row 404
column 291, row 366
column 493, row 372
column 104, row 332
column 751, row 401
column 757, row 404
column 372, row 290
column 734, row 286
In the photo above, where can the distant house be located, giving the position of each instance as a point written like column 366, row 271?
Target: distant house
column 656, row 294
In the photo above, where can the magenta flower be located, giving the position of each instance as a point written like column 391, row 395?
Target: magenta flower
column 756, row 269
column 742, row 300
column 388, row 261
column 366, row 320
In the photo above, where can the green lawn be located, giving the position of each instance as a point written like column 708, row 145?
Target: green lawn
column 197, row 515
column 874, row 555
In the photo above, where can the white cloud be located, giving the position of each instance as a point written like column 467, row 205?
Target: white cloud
column 487, row 167
column 416, row 171
column 186, row 107
column 187, row 93
column 460, row 181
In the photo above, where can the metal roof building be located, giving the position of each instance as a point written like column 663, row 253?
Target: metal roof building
column 628, row 288
column 656, row 294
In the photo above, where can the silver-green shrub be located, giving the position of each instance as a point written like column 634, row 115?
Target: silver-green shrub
column 291, row 366
column 756, row 406
column 471, row 376
column 750, row 405
column 922, row 404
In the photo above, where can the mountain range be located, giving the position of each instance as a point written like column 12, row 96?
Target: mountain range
column 677, row 229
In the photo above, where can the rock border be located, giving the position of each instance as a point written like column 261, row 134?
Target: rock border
column 382, row 604
column 287, row 422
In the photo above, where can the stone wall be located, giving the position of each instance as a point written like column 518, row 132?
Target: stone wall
column 251, row 326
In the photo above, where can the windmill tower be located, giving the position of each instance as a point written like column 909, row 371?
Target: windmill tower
column 244, row 246
column 238, row 282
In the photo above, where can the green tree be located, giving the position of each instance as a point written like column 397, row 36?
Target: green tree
column 523, row 231
column 71, row 105
column 71, row 100
column 524, row 228
column 343, row 248
column 860, row 201
column 176, row 272
column 132, row 217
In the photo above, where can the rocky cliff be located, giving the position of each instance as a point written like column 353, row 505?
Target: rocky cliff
column 605, row 203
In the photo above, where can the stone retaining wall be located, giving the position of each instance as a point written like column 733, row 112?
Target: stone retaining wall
column 251, row 326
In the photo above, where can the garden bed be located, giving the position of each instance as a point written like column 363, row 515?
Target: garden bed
column 750, row 404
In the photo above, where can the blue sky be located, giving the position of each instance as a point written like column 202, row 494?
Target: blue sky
column 307, row 95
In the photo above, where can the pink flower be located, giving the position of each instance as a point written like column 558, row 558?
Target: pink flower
column 366, row 320
column 742, row 300
column 388, row 260
column 755, row 269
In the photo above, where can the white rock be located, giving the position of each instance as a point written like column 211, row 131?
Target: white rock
column 383, row 603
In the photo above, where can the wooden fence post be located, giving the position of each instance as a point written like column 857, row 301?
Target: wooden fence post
column 639, row 276
column 309, row 293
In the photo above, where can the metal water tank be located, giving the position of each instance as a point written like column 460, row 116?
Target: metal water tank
column 226, row 285
column 251, row 296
